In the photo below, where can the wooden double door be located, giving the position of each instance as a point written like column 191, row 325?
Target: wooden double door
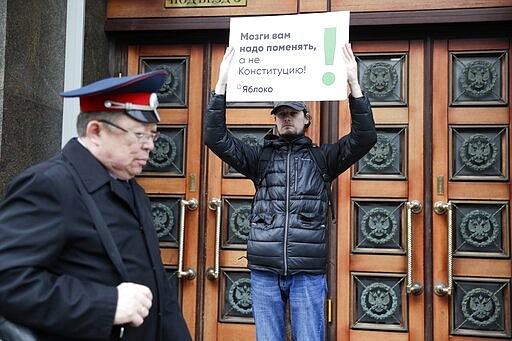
column 421, row 247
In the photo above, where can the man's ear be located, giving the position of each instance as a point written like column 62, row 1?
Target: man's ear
column 93, row 130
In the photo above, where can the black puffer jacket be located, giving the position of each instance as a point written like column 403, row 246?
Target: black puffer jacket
column 289, row 212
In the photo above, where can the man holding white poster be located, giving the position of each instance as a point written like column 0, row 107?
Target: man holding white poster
column 275, row 51
column 287, row 244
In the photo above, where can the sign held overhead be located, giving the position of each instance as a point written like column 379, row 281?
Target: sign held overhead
column 288, row 57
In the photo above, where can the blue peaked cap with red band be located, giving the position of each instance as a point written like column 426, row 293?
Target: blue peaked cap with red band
column 134, row 95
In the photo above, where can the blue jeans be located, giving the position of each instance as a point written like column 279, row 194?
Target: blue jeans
column 306, row 295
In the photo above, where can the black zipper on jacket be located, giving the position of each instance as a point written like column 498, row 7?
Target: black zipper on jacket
column 287, row 220
column 296, row 174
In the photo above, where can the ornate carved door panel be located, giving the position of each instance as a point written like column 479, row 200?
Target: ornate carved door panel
column 471, row 194
column 380, row 217
column 172, row 176
column 214, row 291
column 227, row 289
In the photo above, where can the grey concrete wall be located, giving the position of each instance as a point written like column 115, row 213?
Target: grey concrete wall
column 34, row 40
column 32, row 55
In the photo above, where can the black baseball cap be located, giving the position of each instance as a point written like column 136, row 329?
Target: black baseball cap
column 297, row 105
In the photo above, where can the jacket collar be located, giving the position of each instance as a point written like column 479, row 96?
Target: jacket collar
column 94, row 175
column 279, row 141
column 91, row 171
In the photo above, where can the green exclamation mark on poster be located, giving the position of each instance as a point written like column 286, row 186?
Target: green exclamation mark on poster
column 329, row 49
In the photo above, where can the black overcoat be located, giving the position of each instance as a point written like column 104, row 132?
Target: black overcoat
column 56, row 275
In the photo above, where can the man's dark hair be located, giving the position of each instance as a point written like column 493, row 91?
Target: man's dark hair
column 308, row 116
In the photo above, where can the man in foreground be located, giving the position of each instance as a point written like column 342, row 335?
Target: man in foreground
column 60, row 273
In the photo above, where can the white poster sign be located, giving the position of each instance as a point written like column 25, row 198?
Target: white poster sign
column 288, row 57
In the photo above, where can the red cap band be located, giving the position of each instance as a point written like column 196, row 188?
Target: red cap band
column 96, row 103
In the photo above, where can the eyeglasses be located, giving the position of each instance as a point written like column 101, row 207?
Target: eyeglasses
column 141, row 137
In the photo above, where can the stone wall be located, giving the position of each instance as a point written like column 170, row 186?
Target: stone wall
column 32, row 55
column 33, row 64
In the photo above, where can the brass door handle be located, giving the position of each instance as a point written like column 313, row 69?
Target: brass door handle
column 414, row 288
column 190, row 273
column 215, row 205
column 441, row 289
